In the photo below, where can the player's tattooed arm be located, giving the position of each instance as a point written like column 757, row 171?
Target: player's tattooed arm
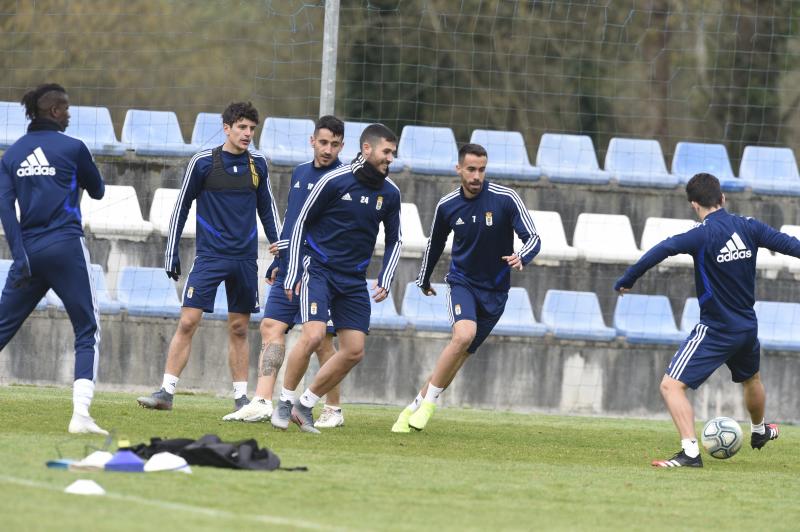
column 271, row 359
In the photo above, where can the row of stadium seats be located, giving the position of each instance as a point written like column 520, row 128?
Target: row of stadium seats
column 569, row 315
column 433, row 150
column 604, row 238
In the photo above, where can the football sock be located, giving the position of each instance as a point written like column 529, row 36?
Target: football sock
column 758, row 429
column 335, row 408
column 239, row 389
column 257, row 398
column 414, row 406
column 287, row 395
column 169, row 383
column 690, row 447
column 82, row 393
column 433, row 393
column 309, row 399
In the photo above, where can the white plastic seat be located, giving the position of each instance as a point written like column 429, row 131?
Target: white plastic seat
column 164, row 200
column 659, row 229
column 606, row 238
column 791, row 263
column 117, row 215
column 414, row 239
column 554, row 240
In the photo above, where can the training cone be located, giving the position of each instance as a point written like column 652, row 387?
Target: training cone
column 85, row 487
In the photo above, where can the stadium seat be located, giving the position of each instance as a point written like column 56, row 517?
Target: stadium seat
column 508, row 156
column 638, row 163
column 554, row 239
column 13, row 123
column 105, row 302
column 286, row 141
column 94, row 127
column 659, row 229
column 208, row 133
column 352, row 137
column 429, row 150
column 5, row 266
column 643, row 319
column 518, row 318
column 791, row 263
column 147, row 292
column 691, row 314
column 154, row 133
column 605, row 238
column 692, row 158
column 414, row 240
column 569, row 159
column 426, row 313
column 770, row 170
column 116, row 215
column 164, row 200
column 575, row 316
column 384, row 315
column 778, row 325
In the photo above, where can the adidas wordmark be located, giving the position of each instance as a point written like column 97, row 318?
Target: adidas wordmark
column 734, row 250
column 35, row 164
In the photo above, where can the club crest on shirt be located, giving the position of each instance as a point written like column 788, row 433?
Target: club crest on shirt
column 190, row 292
column 313, row 308
column 379, row 203
column 458, row 309
column 489, row 218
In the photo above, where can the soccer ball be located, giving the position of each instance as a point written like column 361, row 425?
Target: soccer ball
column 722, row 437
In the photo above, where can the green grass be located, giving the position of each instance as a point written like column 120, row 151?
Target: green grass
column 470, row 469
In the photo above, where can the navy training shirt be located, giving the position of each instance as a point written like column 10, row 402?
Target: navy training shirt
column 44, row 171
column 483, row 232
column 724, row 247
column 226, row 217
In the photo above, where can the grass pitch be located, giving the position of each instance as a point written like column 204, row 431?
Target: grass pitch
column 469, row 470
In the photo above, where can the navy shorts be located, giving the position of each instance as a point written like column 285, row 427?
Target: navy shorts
column 279, row 308
column 326, row 294
column 706, row 349
column 241, row 284
column 484, row 307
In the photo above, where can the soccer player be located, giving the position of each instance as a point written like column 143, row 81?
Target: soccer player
column 340, row 221
column 724, row 248
column 44, row 171
column 280, row 314
column 231, row 185
column 483, row 217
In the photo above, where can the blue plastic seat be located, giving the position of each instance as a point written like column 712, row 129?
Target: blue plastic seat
column 569, row 159
column 5, row 266
column 644, row 319
column 208, row 133
column 426, row 313
column 147, row 292
column 352, row 137
column 384, row 315
column 575, row 315
column 638, row 163
column 105, row 302
column 94, row 127
column 518, row 318
column 778, row 325
column 429, row 150
column 154, row 133
column 770, row 170
column 508, row 156
column 692, row 158
column 13, row 123
column 691, row 314
column 285, row 141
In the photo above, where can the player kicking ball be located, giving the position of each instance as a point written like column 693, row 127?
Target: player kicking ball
column 724, row 248
column 483, row 217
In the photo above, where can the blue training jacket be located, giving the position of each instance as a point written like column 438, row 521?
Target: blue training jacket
column 44, row 171
column 483, row 229
column 226, row 216
column 340, row 221
column 304, row 177
column 724, row 248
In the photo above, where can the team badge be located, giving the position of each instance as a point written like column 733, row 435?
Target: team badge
column 313, row 308
column 489, row 218
column 379, row 203
column 190, row 292
column 458, row 309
